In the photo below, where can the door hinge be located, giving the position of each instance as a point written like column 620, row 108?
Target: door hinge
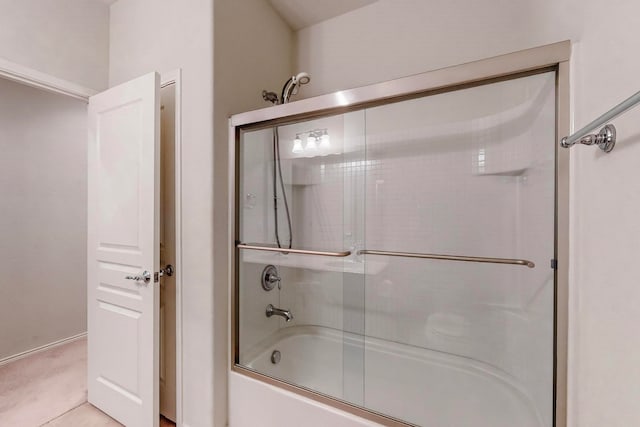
column 554, row 264
column 166, row 271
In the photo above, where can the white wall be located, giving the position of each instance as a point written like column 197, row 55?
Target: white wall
column 252, row 51
column 68, row 39
column 43, row 179
column 604, row 288
column 390, row 39
column 148, row 35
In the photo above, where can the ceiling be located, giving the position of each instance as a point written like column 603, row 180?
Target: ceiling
column 303, row 13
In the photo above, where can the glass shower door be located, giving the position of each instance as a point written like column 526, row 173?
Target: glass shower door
column 300, row 283
column 468, row 173
column 397, row 257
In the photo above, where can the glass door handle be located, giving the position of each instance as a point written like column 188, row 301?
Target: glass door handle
column 260, row 247
column 512, row 261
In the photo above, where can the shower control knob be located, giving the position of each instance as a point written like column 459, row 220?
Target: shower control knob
column 270, row 278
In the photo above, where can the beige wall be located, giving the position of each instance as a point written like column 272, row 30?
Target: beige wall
column 390, row 39
column 44, row 168
column 151, row 35
column 68, row 39
column 605, row 229
column 253, row 51
column 43, row 220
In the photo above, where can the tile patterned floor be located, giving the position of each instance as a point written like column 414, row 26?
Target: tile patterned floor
column 49, row 389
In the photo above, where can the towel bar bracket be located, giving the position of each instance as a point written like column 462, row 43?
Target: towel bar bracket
column 605, row 139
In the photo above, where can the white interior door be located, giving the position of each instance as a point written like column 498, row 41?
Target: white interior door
column 123, row 241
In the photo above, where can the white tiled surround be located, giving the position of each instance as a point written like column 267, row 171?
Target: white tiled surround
column 469, row 172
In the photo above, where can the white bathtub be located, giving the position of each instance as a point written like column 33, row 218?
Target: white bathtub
column 416, row 385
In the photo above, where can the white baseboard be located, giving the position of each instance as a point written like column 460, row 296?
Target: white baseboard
column 41, row 348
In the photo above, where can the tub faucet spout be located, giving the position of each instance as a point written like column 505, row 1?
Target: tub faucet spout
column 271, row 310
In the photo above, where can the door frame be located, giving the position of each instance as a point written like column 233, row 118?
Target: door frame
column 553, row 57
column 174, row 78
column 30, row 77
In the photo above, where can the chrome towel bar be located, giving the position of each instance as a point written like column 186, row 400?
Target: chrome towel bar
column 260, row 247
column 523, row 262
column 606, row 138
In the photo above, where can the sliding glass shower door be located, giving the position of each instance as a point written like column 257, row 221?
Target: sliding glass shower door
column 300, row 286
column 399, row 257
column 468, row 173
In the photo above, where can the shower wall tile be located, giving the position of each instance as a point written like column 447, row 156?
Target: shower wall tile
column 315, row 298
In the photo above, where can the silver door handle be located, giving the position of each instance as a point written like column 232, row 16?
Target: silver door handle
column 145, row 277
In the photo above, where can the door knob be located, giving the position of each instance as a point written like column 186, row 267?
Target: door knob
column 168, row 270
column 145, row 277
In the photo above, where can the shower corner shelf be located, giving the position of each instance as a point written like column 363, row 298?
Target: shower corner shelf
column 345, row 265
column 506, row 172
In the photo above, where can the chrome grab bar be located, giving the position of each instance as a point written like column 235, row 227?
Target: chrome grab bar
column 450, row 257
column 259, row 247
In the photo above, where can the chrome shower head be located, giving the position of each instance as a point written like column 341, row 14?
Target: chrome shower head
column 293, row 84
column 302, row 78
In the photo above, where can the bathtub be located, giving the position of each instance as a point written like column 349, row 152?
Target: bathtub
column 416, row 385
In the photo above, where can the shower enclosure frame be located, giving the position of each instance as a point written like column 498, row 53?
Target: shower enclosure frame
column 550, row 58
